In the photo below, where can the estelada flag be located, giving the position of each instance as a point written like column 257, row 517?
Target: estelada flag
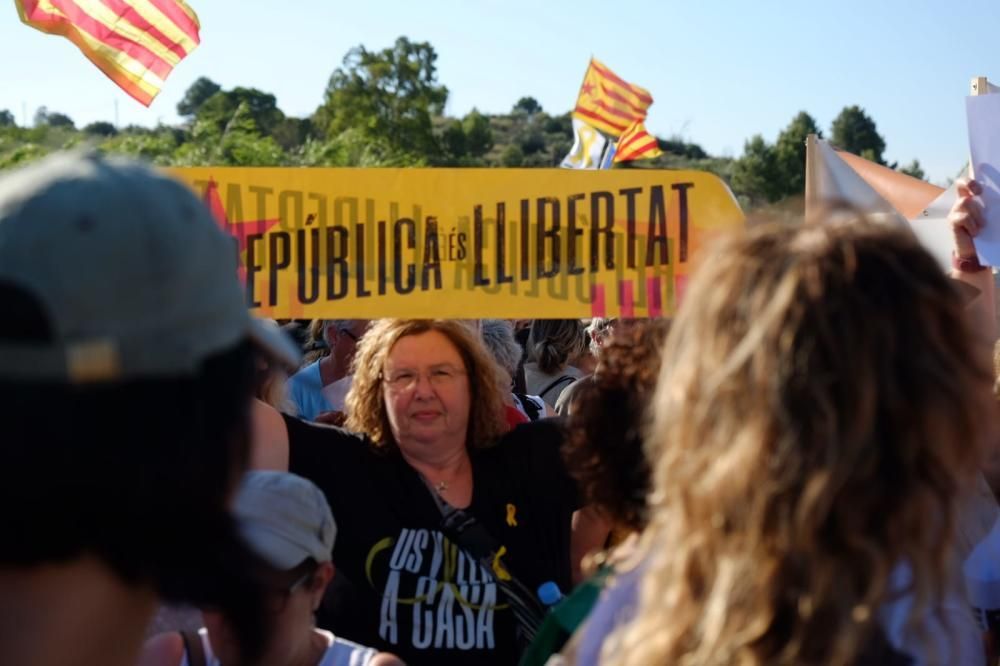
column 136, row 43
column 637, row 144
column 609, row 103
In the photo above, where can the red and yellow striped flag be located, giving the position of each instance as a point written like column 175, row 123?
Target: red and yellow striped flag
column 135, row 42
column 609, row 103
column 636, row 144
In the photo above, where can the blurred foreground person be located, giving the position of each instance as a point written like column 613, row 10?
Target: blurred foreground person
column 127, row 361
column 287, row 521
column 821, row 410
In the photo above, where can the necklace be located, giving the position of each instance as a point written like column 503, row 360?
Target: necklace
column 441, row 487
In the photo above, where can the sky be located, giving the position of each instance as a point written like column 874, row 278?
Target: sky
column 719, row 71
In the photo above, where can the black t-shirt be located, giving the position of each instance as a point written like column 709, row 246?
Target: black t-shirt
column 400, row 585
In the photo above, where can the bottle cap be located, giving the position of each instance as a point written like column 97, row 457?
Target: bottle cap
column 549, row 593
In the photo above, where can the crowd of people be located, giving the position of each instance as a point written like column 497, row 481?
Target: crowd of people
column 799, row 467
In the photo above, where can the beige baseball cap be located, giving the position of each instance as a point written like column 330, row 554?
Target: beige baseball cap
column 285, row 519
column 134, row 276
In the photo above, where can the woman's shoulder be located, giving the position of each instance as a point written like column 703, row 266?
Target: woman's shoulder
column 532, row 448
column 546, row 433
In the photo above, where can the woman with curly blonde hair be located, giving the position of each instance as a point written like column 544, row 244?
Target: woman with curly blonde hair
column 441, row 511
column 820, row 411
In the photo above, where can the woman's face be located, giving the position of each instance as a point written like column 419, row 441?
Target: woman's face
column 290, row 617
column 426, row 390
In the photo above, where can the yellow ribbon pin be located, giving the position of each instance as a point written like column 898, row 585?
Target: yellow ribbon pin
column 498, row 567
column 511, row 517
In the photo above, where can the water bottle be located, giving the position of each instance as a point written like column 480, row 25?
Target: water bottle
column 549, row 594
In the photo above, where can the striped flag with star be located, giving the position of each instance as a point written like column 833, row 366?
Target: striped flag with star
column 636, row 144
column 136, row 43
column 608, row 102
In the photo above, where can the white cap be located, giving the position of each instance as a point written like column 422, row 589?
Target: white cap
column 285, row 519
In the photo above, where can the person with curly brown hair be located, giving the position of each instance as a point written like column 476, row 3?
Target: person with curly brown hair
column 603, row 451
column 448, row 520
column 822, row 408
column 603, row 448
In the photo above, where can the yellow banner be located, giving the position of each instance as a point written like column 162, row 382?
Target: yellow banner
column 469, row 243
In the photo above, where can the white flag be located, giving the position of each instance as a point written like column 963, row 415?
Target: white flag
column 588, row 147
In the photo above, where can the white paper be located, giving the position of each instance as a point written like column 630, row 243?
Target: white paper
column 983, row 114
column 837, row 181
column 934, row 230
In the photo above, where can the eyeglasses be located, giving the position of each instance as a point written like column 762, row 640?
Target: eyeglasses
column 440, row 376
column 349, row 334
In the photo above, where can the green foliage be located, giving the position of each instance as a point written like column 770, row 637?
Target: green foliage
column 528, row 105
column 478, row 134
column 390, row 95
column 52, row 118
column 258, row 108
column 22, row 154
column 755, row 175
column 385, row 108
column 677, row 146
column 292, row 132
column 512, row 156
column 100, row 128
column 199, row 92
column 790, row 153
column 453, row 140
column 157, row 147
column 914, row 169
column 854, row 131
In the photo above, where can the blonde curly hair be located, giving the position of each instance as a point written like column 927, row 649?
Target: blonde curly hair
column 488, row 382
column 815, row 423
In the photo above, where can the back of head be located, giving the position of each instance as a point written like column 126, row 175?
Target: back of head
column 126, row 371
column 498, row 336
column 554, row 343
column 603, row 447
column 815, row 421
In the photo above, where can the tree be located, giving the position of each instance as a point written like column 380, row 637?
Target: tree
column 854, row 131
column 7, row 119
column 292, row 132
column 914, row 169
column 478, row 135
column 512, row 156
column 790, row 153
column 100, row 128
column 677, row 146
column 259, row 107
column 453, row 139
column 43, row 117
column 199, row 92
column 755, row 174
column 528, row 105
column 391, row 94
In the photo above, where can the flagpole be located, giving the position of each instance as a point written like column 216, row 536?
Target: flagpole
column 811, row 151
